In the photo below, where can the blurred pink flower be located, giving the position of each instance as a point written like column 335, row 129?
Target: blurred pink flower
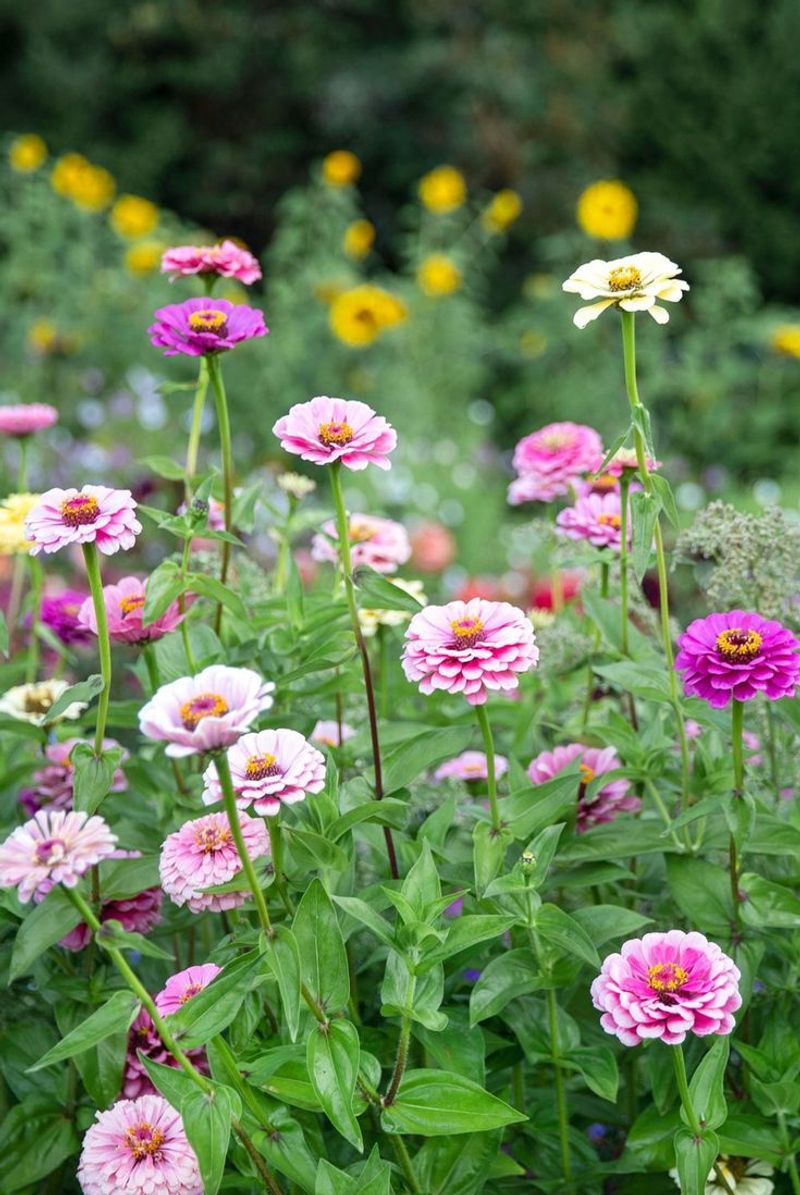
column 197, row 327
column 23, row 419
column 606, row 804
column 181, row 987
column 226, row 259
column 596, row 518
column 737, row 654
column 138, row 1147
column 379, row 543
column 551, row 459
column 326, row 429
column 53, row 848
column 203, row 854
column 92, row 515
column 625, row 458
column 433, row 548
column 60, row 612
column 203, row 712
column 470, row 765
column 269, row 769
column 124, row 603
column 327, row 733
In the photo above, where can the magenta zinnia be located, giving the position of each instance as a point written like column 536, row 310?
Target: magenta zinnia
column 379, row 543
column 203, row 854
column 124, row 603
column 138, row 1147
column 596, row 518
column 92, row 515
column 608, row 802
column 53, row 848
column 550, row 460
column 738, row 654
column 470, row 648
column 197, row 327
column 666, row 985
column 226, row 260
column 335, row 429
column 269, row 769
column 203, row 712
column 61, row 613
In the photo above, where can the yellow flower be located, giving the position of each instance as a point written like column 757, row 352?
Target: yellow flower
column 533, row 344
column 358, row 316
column 340, row 168
column 438, row 276
column 359, row 238
column 144, row 257
column 66, row 172
column 27, row 153
column 443, row 190
column 43, row 336
column 90, row 187
column 501, row 213
column 607, row 210
column 14, row 510
column 786, row 340
column 132, row 216
column 540, row 286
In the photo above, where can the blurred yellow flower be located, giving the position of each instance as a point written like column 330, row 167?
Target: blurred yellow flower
column 43, row 336
column 14, row 510
column 132, row 216
column 501, row 213
column 533, row 344
column 540, row 286
column 359, row 238
column 27, row 153
column 326, row 292
column 786, row 340
column 340, row 168
column 443, row 190
column 607, row 210
column 358, row 316
column 89, row 186
column 144, row 257
column 438, row 276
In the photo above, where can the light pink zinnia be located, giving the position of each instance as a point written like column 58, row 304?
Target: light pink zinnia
column 227, row 259
column 53, row 848
column 327, row 733
column 666, row 985
column 124, row 603
column 596, row 518
column 337, row 429
column 181, row 987
column 203, row 854
column 92, row 515
column 608, row 802
column 470, row 765
column 738, row 654
column 207, row 711
column 53, row 782
column 549, row 460
column 138, row 1147
column 269, row 769
column 469, row 647
column 625, row 459
column 198, row 327
column 25, row 418
column 378, row 543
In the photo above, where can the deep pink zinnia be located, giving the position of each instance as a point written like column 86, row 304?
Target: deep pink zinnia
column 596, row 518
column 138, row 1147
column 608, row 802
column 470, row 765
column 124, row 603
column 197, row 327
column 203, row 854
column 181, row 987
column 738, row 654
column 61, row 613
column 53, row 848
column 337, row 429
column 549, row 460
column 269, row 769
column 227, row 260
column 470, row 648
column 203, row 712
column 136, row 914
column 23, row 419
column 666, row 985
column 52, row 784
column 379, row 543
column 143, row 1039
column 92, row 515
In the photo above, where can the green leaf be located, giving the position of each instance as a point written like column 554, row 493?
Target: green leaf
column 323, row 956
column 207, row 1122
column 707, row 1087
column 164, row 586
column 536, row 807
column 84, row 691
column 35, row 1139
column 437, row 1103
column 119, row 1011
column 514, row 973
column 664, row 493
column 111, row 936
column 563, row 931
column 173, row 1083
column 387, row 812
column 211, row 1010
column 371, row 918
column 164, row 466
column 421, row 887
column 598, row 1066
column 488, row 852
column 314, row 850
column 282, row 953
column 467, row 931
column 702, row 891
column 210, row 587
column 42, row 928
column 378, row 593
column 333, row 1052
column 695, row 1157
column 455, row 1166
column 3, row 635
column 649, row 683
column 286, row 1149
column 121, row 878
column 93, row 775
column 604, row 923
column 416, row 755
column 644, row 512
column 768, row 904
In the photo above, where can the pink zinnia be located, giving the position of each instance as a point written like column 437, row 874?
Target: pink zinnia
column 23, row 419
column 138, row 1147
column 203, row 854
column 200, row 326
column 124, row 603
column 228, row 260
column 92, row 515
column 136, row 914
column 143, row 1039
column 433, row 548
column 626, row 459
column 549, row 460
column 379, row 543
column 52, row 784
column 737, row 654
column 596, row 518
column 667, row 985
column 335, row 429
column 327, row 733
column 469, row 647
column 269, row 769
column 606, row 804
column 53, row 848
column 470, row 765
column 60, row 612
column 181, row 987
column 207, row 711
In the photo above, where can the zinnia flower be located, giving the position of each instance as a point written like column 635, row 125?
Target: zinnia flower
column 136, row 914
column 133, row 216
column 358, row 239
column 606, row 804
column 358, row 316
column 786, row 340
column 551, row 459
column 53, row 783
column 181, row 987
column 26, row 153
column 469, row 647
column 92, row 515
column 433, row 547
column 143, row 1039
column 327, row 733
column 32, row 703
column 634, row 283
column 443, row 190
column 53, row 848
column 596, row 518
column 340, row 168
column 207, row 711
column 737, row 654
column 61, row 613
column 197, row 327
column 203, row 854
column 325, row 430
column 269, row 769
column 227, row 260
column 438, row 276
column 379, row 543
column 504, row 209
column 124, row 603
column 23, row 419
column 138, row 1147
column 470, row 765
column 296, row 485
column 607, row 210
column 370, row 620
column 14, row 510
column 744, row 1176
column 625, row 459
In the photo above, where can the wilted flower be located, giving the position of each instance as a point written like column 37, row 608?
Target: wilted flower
column 61, row 613
column 737, row 654
column 551, row 459
column 596, row 518
column 181, row 987
column 744, row 1176
column 443, row 190
column 133, row 216
column 207, row 711
column 53, row 783
column 340, row 168
column 138, row 1146
column 27, row 153
column 379, row 543
column 607, row 210
column 14, row 510
column 202, row 854
column 53, row 848
column 608, row 802
column 198, row 327
column 32, row 703
column 470, row 765
column 326, row 429
column 358, row 316
column 227, row 260
column 296, row 485
column 359, row 237
column 93, row 515
column 504, row 209
column 327, row 733
column 370, row 620
column 269, row 768
column 634, row 283
column 438, row 276
column 25, row 418
column 124, row 603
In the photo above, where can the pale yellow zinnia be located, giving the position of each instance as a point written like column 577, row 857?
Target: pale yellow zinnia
column 14, row 510
column 634, row 283
column 443, row 190
column 607, row 210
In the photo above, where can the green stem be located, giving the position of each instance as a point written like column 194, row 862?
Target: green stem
column 791, row 1160
column 226, row 450
column 662, row 809
column 276, row 850
column 103, row 642
column 402, row 1046
column 37, row 577
column 229, row 802
column 561, row 1094
column 737, row 749
column 491, row 771
column 22, row 475
column 683, row 1089
column 193, row 447
column 401, row 1153
column 624, row 486
column 604, row 580
column 187, row 643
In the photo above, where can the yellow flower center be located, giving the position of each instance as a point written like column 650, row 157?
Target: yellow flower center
column 666, row 977
column 212, row 838
column 259, row 766
column 360, row 533
column 624, row 278
column 335, row 434
column 553, row 441
column 606, row 483
column 80, row 510
column 129, row 604
column 209, row 320
column 614, row 521
column 143, row 1140
column 739, row 646
column 205, row 705
column 192, row 990
column 586, row 773
column 467, row 631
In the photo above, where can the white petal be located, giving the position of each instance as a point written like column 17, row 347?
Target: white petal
column 659, row 314
column 637, row 303
column 672, row 292
column 585, row 315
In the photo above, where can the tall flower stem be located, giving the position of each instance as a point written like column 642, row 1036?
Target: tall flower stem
column 403, row 1043
column 231, row 809
column 226, row 451
column 343, row 533
column 491, row 769
column 103, row 642
column 193, row 446
column 637, row 407
column 185, row 637
column 37, row 578
column 624, row 487
column 276, row 849
column 558, row 1078
column 22, row 475
column 688, row 1107
column 737, row 750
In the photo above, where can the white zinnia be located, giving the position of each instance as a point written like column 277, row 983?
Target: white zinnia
column 634, row 283
column 32, row 702
column 745, row 1177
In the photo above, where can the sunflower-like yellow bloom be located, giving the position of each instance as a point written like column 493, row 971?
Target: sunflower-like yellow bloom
column 786, row 340
column 14, row 510
column 133, row 216
column 443, row 190
column 27, row 153
column 341, row 168
column 144, row 258
column 358, row 239
column 438, row 276
column 504, row 209
column 359, row 316
column 88, row 186
column 607, row 210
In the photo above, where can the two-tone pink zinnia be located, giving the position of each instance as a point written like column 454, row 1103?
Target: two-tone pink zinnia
column 138, row 1147
column 124, row 603
column 53, row 848
column 198, row 327
column 738, row 654
column 226, row 260
column 551, row 459
column 94, row 514
column 331, row 734
column 269, row 768
column 379, row 543
column 204, row 712
column 469, row 766
column 608, row 802
column 596, row 518
column 326, row 429
column 202, row 854
column 23, row 419
column 182, row 986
